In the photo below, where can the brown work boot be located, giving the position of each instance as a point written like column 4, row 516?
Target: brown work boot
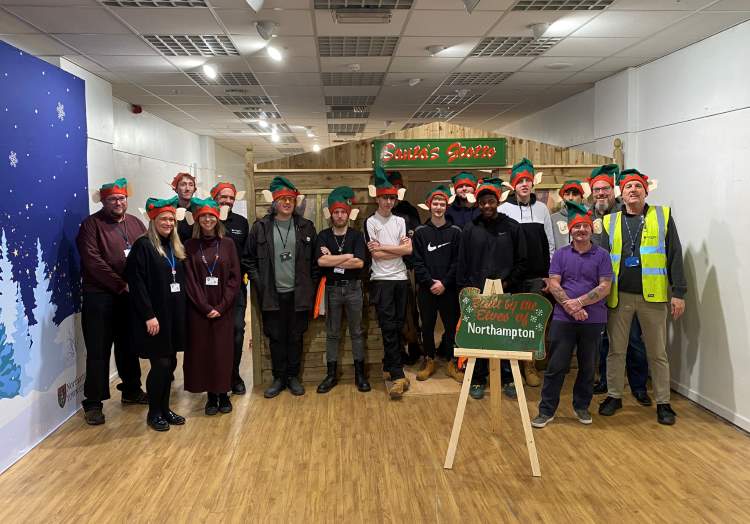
column 428, row 369
column 400, row 385
column 532, row 377
column 452, row 371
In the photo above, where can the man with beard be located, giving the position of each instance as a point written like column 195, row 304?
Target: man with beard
column 184, row 185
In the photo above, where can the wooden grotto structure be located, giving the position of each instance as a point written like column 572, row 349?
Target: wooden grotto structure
column 352, row 164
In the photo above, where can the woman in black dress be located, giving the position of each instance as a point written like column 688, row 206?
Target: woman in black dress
column 156, row 279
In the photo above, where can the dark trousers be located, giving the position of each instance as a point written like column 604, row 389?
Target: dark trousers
column 285, row 329
column 636, row 362
column 429, row 307
column 104, row 322
column 565, row 337
column 339, row 298
column 389, row 298
column 482, row 371
column 159, row 384
column 239, row 332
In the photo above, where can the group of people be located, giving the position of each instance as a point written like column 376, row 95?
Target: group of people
column 613, row 271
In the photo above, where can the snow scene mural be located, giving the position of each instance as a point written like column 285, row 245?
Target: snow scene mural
column 43, row 182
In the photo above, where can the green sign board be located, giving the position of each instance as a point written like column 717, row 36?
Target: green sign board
column 503, row 322
column 450, row 153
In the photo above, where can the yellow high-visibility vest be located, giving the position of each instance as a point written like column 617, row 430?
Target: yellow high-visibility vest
column 653, row 254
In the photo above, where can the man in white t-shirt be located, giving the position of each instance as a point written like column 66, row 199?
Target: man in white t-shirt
column 388, row 243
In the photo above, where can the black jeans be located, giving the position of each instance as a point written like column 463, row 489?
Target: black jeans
column 159, row 384
column 429, row 307
column 104, row 323
column 239, row 332
column 339, row 298
column 389, row 298
column 285, row 329
column 565, row 337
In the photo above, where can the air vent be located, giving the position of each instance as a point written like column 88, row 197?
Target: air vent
column 357, row 45
column 350, row 100
column 192, row 45
column 290, row 150
column 337, row 115
column 453, row 100
column 255, row 115
column 346, row 129
column 476, row 79
column 282, row 139
column 562, row 5
column 513, row 46
column 355, row 109
column 370, row 4
column 352, row 79
column 435, row 113
column 225, row 79
column 244, row 100
column 154, row 3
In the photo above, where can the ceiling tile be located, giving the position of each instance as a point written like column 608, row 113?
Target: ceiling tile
column 485, row 110
column 37, row 44
column 326, row 26
column 552, row 63
column 453, row 5
column 108, row 44
column 450, row 23
column 135, row 63
column 588, row 76
column 511, row 94
column 523, row 78
column 70, row 19
column 661, row 5
column 159, row 79
column 493, row 64
column 85, row 63
column 590, row 46
column 202, row 101
column 353, row 90
column 53, row 3
column 289, row 45
column 731, row 5
column 10, row 25
column 516, row 23
column 628, row 24
column 161, row 21
column 402, row 79
column 457, row 46
column 375, row 64
column 170, row 90
column 618, row 63
column 264, row 64
column 288, row 79
column 291, row 22
column 426, row 64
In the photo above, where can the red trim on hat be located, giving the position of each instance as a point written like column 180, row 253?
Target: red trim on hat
column 488, row 187
column 206, row 210
column 609, row 179
column 114, row 190
column 581, row 219
column 218, row 188
column 437, row 193
column 339, row 204
column 180, row 176
column 154, row 212
column 381, row 191
column 520, row 176
column 572, row 185
column 464, row 182
column 284, row 192
column 638, row 178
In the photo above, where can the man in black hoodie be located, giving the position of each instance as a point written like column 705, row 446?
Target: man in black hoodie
column 435, row 254
column 492, row 246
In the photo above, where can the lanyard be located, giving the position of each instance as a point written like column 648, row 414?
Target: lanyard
column 216, row 259
column 172, row 263
column 630, row 234
column 124, row 233
column 288, row 229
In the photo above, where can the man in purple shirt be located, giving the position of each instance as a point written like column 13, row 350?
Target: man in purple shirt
column 104, row 242
column 580, row 276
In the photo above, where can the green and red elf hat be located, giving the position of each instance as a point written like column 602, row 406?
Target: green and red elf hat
column 464, row 178
column 629, row 175
column 118, row 187
column 605, row 173
column 491, row 185
column 569, row 185
column 578, row 214
column 382, row 186
column 522, row 170
column 342, row 197
column 157, row 206
column 437, row 191
column 395, row 178
column 204, row 206
column 221, row 186
column 281, row 187
column 180, row 176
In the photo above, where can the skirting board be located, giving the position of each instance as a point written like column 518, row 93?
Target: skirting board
column 722, row 411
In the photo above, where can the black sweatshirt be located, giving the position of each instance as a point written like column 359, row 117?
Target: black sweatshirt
column 435, row 253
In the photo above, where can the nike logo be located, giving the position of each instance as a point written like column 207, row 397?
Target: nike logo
column 430, row 247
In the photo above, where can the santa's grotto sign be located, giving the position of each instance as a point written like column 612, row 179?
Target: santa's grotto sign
column 451, row 153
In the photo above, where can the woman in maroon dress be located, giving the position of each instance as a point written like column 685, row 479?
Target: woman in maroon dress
column 212, row 273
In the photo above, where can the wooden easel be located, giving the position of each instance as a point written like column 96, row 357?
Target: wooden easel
column 493, row 287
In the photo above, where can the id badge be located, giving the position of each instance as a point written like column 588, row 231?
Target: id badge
column 285, row 256
column 212, row 281
column 126, row 251
column 174, row 287
column 632, row 262
column 339, row 270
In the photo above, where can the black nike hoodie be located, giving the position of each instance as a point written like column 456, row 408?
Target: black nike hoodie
column 435, row 253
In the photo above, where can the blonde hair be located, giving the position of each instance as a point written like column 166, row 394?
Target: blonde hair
column 219, row 230
column 174, row 240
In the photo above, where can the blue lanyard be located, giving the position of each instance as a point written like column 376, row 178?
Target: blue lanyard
column 216, row 259
column 172, row 263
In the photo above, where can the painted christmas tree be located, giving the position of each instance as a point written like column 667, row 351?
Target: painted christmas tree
column 10, row 372
column 7, row 288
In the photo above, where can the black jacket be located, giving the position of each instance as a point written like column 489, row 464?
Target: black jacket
column 435, row 253
column 237, row 229
column 259, row 256
column 460, row 215
column 492, row 249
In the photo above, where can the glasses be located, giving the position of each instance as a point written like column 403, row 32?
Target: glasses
column 116, row 199
column 287, row 199
column 602, row 189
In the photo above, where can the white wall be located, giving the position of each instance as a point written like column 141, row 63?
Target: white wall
column 685, row 119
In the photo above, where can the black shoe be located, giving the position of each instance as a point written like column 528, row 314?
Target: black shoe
column 642, row 398
column 274, row 389
column 173, row 419
column 330, row 379
column 600, row 388
column 414, row 353
column 360, row 379
column 94, row 416
column 212, row 404
column 238, row 388
column 157, row 423
column 295, row 386
column 665, row 414
column 225, row 406
column 608, row 407
column 133, row 397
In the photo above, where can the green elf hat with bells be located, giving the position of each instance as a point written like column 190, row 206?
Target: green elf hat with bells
column 118, row 187
column 205, row 206
column 382, row 185
column 494, row 186
column 157, row 206
column 629, row 175
column 579, row 214
column 606, row 173
column 524, row 170
column 341, row 198
column 281, row 187
column 464, row 178
column 437, row 191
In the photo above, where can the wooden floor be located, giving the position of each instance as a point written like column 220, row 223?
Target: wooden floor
column 353, row 457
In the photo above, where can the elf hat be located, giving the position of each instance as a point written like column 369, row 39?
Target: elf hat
column 281, row 187
column 582, row 187
column 395, row 178
column 494, row 186
column 118, row 187
column 605, row 173
column 437, row 191
column 629, row 175
column 341, row 198
column 180, row 176
column 157, row 206
column 383, row 186
column 221, row 186
column 577, row 213
column 524, row 170
column 464, row 178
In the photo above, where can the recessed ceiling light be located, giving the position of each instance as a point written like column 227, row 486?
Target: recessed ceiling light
column 433, row 50
column 262, row 123
column 274, row 53
column 558, row 65
column 209, row 71
column 267, row 28
column 539, row 29
column 353, row 67
column 274, row 136
column 414, row 81
column 310, row 133
column 316, row 148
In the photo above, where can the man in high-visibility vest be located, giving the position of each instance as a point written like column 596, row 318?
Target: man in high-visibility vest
column 647, row 261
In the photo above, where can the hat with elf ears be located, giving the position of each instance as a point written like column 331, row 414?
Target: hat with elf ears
column 606, row 173
column 629, row 175
column 383, row 186
column 437, row 191
column 282, row 187
column 341, row 198
column 579, row 214
column 118, row 187
column 205, row 206
column 524, row 170
column 494, row 186
column 157, row 206
column 582, row 187
column 221, row 186
column 464, row 178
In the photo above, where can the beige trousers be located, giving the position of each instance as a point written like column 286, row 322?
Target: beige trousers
column 653, row 319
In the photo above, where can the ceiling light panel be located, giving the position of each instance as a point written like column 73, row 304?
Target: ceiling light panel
column 476, row 79
column 337, row 115
column 155, row 3
column 453, row 100
column 282, row 139
column 255, row 115
column 346, row 129
column 370, row 4
column 193, row 45
column 561, row 5
column 357, row 45
column 352, row 79
column 244, row 100
column 434, row 113
column 226, row 79
column 350, row 100
column 513, row 46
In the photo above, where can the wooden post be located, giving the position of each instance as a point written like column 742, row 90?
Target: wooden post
column 618, row 154
column 256, row 340
column 495, row 287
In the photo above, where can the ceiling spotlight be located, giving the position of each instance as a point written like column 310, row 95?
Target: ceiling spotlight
column 255, row 5
column 433, row 50
column 414, row 81
column 558, row 65
column 209, row 71
column 462, row 92
column 539, row 29
column 470, row 5
column 353, row 67
column 274, row 53
column 310, row 133
column 267, row 28
column 274, row 136
column 262, row 123
column 316, row 148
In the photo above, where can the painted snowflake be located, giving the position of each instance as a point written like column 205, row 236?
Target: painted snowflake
column 468, row 309
column 466, row 319
column 60, row 111
column 466, row 300
column 13, row 159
